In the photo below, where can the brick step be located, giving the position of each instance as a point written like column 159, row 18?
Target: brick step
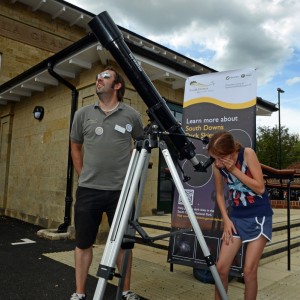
column 273, row 250
column 279, row 227
column 278, row 247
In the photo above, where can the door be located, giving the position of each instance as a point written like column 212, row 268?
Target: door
column 5, row 140
column 165, row 182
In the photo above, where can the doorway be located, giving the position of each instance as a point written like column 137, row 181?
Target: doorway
column 165, row 183
column 5, row 141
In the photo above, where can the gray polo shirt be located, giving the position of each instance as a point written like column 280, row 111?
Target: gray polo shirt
column 107, row 142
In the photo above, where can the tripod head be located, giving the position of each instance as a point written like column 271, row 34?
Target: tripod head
column 109, row 35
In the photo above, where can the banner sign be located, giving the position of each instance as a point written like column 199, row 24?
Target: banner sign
column 212, row 102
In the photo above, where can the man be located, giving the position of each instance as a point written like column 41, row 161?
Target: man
column 101, row 144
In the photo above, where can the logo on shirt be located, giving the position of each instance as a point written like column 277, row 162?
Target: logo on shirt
column 129, row 127
column 99, row 130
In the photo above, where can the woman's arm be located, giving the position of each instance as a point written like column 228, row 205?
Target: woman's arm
column 220, row 193
column 256, row 183
column 228, row 225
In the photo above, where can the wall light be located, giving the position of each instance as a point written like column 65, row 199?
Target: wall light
column 38, row 113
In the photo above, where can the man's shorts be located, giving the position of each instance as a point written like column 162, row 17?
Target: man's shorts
column 250, row 229
column 89, row 208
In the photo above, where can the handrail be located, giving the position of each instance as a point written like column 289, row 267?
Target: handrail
column 288, row 174
column 278, row 174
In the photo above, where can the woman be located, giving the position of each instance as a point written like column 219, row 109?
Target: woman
column 250, row 217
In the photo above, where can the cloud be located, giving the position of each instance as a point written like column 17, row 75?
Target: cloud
column 293, row 81
column 235, row 34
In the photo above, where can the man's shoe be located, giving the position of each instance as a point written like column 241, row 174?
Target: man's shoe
column 131, row 296
column 76, row 297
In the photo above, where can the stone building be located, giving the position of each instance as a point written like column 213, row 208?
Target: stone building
column 49, row 59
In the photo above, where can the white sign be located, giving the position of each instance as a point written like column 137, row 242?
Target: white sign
column 25, row 241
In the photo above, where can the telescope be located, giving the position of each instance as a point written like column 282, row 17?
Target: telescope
column 110, row 37
column 163, row 121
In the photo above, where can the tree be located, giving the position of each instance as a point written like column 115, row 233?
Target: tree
column 267, row 146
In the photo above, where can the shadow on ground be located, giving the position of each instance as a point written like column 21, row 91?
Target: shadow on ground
column 27, row 274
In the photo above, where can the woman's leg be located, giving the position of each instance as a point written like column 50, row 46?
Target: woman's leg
column 253, row 255
column 227, row 254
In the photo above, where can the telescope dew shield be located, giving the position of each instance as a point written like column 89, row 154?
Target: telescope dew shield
column 110, row 37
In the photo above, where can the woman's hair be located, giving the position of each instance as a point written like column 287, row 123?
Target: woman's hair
column 118, row 79
column 222, row 143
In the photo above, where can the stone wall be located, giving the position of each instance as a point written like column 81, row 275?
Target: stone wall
column 33, row 155
column 28, row 37
column 38, row 159
column 284, row 203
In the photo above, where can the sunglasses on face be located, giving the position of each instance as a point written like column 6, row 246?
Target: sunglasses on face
column 103, row 75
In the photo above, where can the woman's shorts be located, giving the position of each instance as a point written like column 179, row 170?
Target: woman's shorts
column 250, row 229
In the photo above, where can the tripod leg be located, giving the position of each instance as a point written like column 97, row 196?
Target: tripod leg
column 120, row 222
column 141, row 188
column 192, row 218
column 131, row 230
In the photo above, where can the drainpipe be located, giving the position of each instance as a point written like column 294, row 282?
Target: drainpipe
column 68, row 199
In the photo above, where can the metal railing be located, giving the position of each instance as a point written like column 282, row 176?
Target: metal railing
column 284, row 179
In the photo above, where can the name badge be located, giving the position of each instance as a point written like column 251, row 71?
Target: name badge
column 120, row 129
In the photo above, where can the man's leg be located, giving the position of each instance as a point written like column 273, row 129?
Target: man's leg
column 126, row 286
column 88, row 214
column 83, row 260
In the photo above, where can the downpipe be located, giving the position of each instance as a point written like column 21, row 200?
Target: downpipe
column 69, row 186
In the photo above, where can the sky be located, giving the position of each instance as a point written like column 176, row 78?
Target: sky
column 225, row 35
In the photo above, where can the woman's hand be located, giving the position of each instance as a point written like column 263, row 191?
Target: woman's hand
column 228, row 230
column 228, row 162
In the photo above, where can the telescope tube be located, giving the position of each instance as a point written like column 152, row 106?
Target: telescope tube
column 110, row 37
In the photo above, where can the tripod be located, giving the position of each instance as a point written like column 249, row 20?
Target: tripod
column 136, row 170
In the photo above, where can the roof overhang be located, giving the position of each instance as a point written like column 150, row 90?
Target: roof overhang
column 264, row 107
column 59, row 9
column 158, row 62
column 81, row 55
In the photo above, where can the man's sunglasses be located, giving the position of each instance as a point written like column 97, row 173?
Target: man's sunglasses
column 103, row 75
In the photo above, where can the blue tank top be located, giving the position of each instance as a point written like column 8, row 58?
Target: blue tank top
column 245, row 203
